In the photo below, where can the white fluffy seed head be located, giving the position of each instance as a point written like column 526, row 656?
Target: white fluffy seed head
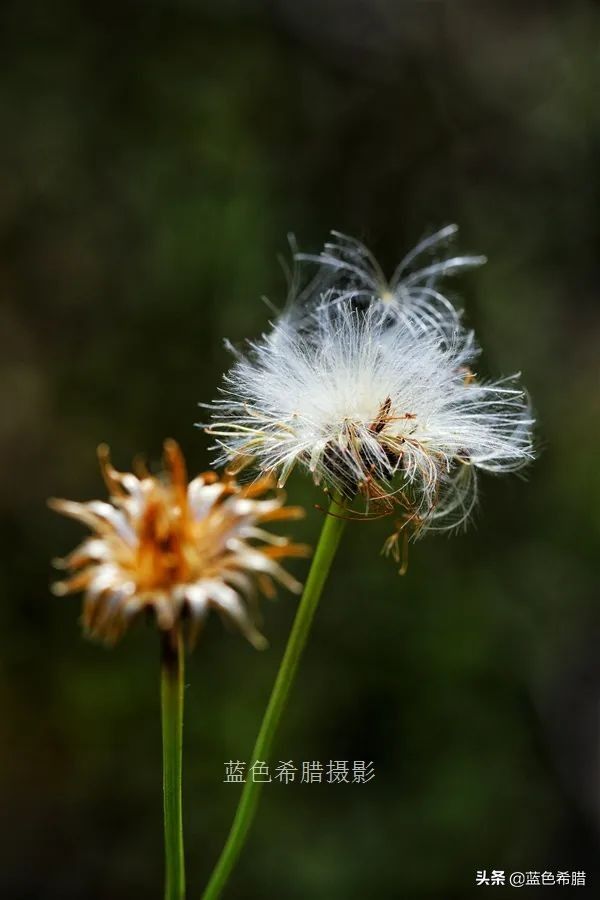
column 385, row 406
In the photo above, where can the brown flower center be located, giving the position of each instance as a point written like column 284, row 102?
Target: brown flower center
column 165, row 549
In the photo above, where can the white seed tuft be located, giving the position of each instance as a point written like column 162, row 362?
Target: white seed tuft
column 381, row 405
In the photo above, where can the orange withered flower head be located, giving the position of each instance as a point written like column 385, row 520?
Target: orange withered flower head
column 176, row 549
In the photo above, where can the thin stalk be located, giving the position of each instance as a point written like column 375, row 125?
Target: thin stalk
column 248, row 803
column 171, row 693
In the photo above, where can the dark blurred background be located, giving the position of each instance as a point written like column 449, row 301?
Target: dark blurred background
column 155, row 155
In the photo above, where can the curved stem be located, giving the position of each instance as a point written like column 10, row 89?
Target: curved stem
column 246, row 810
column 171, row 693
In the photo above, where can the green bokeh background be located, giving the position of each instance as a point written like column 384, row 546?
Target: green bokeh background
column 155, row 155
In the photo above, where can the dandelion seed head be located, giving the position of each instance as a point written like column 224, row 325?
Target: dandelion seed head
column 371, row 405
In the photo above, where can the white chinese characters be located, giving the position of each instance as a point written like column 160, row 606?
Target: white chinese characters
column 334, row 771
column 500, row 878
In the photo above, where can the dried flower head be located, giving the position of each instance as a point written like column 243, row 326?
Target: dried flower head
column 412, row 294
column 370, row 405
column 176, row 549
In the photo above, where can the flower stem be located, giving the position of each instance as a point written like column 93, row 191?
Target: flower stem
column 171, row 693
column 248, row 803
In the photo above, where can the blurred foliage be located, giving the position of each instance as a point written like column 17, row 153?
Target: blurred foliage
column 155, row 156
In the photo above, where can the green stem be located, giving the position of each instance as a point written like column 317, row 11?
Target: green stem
column 248, row 803
column 171, row 694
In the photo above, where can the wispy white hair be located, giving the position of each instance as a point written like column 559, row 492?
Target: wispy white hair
column 413, row 293
column 370, row 404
